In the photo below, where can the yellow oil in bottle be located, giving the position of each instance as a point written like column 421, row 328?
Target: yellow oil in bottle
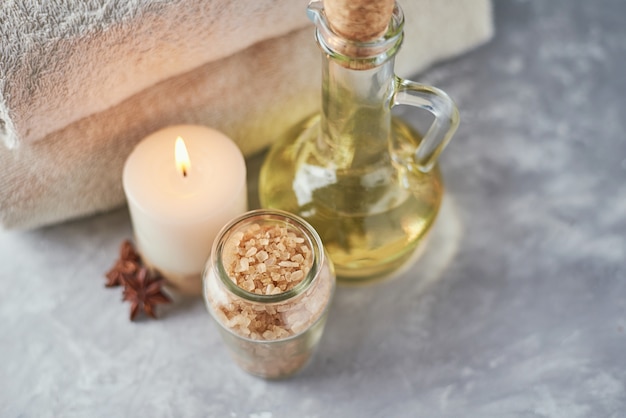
column 371, row 216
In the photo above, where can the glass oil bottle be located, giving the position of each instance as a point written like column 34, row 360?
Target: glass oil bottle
column 365, row 180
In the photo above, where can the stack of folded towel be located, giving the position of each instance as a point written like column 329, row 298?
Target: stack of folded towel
column 82, row 81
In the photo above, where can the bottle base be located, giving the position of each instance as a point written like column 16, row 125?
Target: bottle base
column 382, row 273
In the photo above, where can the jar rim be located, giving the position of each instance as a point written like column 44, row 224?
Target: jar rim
column 275, row 215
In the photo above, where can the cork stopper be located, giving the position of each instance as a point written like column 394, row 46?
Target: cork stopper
column 359, row 20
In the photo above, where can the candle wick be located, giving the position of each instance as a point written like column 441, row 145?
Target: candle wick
column 184, row 172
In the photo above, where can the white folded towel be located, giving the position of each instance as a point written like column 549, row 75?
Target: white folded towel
column 81, row 82
column 64, row 60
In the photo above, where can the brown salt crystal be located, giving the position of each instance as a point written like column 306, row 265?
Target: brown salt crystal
column 288, row 264
column 242, row 266
column 282, row 333
column 282, row 308
column 248, row 285
column 299, row 326
column 297, row 275
column 284, row 255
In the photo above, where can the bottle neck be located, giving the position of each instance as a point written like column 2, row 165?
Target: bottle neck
column 355, row 119
column 357, row 91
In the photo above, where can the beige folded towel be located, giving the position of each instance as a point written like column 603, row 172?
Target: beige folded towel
column 86, row 81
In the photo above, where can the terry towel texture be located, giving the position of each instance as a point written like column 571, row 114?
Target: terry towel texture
column 81, row 82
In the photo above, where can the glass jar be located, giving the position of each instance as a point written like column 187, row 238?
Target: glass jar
column 268, row 284
column 365, row 180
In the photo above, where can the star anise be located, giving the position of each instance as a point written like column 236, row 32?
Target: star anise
column 128, row 252
column 120, row 273
column 143, row 291
column 126, row 266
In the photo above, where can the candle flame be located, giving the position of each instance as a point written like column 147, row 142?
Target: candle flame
column 182, row 157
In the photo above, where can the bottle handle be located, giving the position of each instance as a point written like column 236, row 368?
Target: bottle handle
column 446, row 121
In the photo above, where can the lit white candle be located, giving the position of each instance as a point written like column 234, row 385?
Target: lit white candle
column 177, row 207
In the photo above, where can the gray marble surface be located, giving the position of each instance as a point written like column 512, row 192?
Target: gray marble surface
column 517, row 307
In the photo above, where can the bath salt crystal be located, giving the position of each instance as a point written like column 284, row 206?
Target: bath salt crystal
column 289, row 264
column 248, row 285
column 297, row 275
column 262, row 256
